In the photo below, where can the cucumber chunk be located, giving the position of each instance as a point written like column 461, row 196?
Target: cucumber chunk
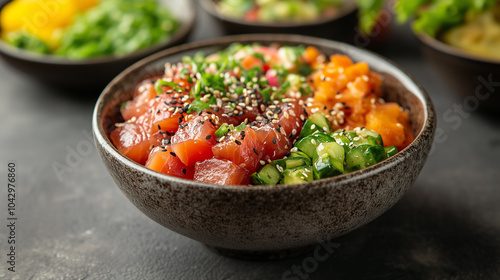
column 342, row 140
column 302, row 155
column 363, row 156
column 267, row 175
column 355, row 159
column 328, row 160
column 292, row 162
column 309, row 144
column 361, row 139
column 308, row 129
column 297, row 175
column 374, row 154
column 376, row 136
column 320, row 120
column 390, row 151
column 315, row 122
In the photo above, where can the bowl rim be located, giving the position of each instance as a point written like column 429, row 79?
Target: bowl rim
column 427, row 127
column 347, row 8
column 436, row 44
column 183, row 31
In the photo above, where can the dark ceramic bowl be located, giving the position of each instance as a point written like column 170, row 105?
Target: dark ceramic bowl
column 475, row 79
column 341, row 26
column 96, row 72
column 272, row 221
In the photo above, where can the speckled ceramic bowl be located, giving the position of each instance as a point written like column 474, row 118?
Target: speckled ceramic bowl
column 267, row 221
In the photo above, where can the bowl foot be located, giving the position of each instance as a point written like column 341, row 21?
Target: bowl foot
column 262, row 255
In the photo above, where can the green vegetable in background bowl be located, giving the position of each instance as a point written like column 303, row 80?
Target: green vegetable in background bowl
column 117, row 27
column 103, row 28
column 470, row 25
column 279, row 11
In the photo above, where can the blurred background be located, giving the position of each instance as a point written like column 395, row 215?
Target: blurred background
column 74, row 223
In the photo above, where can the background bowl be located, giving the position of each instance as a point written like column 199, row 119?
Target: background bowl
column 95, row 72
column 340, row 27
column 266, row 221
column 474, row 78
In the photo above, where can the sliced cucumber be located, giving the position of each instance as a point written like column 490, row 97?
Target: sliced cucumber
column 267, row 175
column 328, row 160
column 315, row 122
column 355, row 159
column 292, row 162
column 320, row 120
column 308, row 129
column 302, row 155
column 373, row 134
column 363, row 156
column 297, row 175
column 390, row 151
column 311, row 142
column 374, row 154
column 342, row 140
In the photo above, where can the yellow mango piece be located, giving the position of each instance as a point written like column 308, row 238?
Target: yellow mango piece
column 43, row 18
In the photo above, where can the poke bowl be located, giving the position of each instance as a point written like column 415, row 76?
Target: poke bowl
column 83, row 73
column 260, row 221
column 339, row 25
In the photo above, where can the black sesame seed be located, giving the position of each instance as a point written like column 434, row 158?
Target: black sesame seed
column 173, row 154
column 159, row 127
column 255, row 151
column 237, row 142
column 208, row 137
column 274, row 140
column 184, row 171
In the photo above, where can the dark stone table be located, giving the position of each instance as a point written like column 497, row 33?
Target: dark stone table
column 74, row 223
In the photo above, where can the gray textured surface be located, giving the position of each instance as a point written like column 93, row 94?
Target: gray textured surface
column 83, row 227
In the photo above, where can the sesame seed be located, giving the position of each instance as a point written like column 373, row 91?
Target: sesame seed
column 280, row 169
column 294, row 150
column 282, row 130
column 262, row 162
column 313, row 142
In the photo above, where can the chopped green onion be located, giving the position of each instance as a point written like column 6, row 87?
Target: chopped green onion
column 221, row 131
